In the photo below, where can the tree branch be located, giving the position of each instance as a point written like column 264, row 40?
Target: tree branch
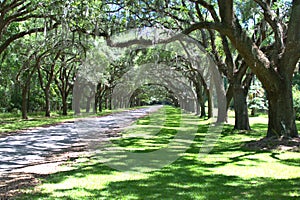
column 147, row 42
column 209, row 7
column 22, row 34
column 275, row 25
column 11, row 6
column 226, row 11
column 292, row 51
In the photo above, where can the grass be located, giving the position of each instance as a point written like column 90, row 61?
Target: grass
column 228, row 172
column 11, row 122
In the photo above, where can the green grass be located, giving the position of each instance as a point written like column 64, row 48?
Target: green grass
column 11, row 122
column 228, row 172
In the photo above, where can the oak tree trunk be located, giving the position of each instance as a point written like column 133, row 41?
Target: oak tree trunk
column 24, row 102
column 64, row 105
column 47, row 101
column 202, row 109
column 281, row 112
column 96, row 100
column 100, row 104
column 200, row 101
column 210, row 105
column 240, row 108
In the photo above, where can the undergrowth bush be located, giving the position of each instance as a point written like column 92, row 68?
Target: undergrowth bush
column 296, row 96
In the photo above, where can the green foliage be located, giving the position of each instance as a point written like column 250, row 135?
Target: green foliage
column 257, row 103
column 153, row 94
column 256, row 97
column 296, row 80
column 296, row 96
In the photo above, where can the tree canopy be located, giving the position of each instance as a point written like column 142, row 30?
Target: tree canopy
column 44, row 44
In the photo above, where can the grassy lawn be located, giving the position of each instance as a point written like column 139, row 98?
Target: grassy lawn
column 229, row 171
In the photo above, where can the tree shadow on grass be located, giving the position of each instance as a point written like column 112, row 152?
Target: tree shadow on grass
column 287, row 161
column 186, row 178
column 184, row 185
column 259, row 126
column 79, row 172
column 292, row 161
column 182, row 182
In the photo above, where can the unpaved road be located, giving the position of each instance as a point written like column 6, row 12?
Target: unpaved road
column 32, row 147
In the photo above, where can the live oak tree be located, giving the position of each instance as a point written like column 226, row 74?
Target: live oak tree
column 24, row 76
column 34, row 21
column 232, row 66
column 65, row 76
column 24, row 21
column 273, row 60
column 19, row 18
column 48, row 67
column 273, row 65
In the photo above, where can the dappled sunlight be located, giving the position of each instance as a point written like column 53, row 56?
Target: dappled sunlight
column 167, row 75
column 256, row 165
column 229, row 171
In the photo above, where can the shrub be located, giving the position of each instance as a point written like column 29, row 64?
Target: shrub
column 296, row 96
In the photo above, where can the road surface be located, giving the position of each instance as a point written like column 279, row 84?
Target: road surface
column 34, row 146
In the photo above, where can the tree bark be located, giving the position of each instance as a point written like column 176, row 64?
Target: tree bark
column 240, row 108
column 26, row 84
column 64, row 105
column 281, row 112
column 49, row 78
column 47, row 102
column 202, row 109
column 240, row 90
column 229, row 96
column 110, row 99
column 100, row 104
column 200, row 99
column 210, row 104
column 63, row 82
column 24, row 102
column 96, row 100
column 63, row 86
column 28, row 98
